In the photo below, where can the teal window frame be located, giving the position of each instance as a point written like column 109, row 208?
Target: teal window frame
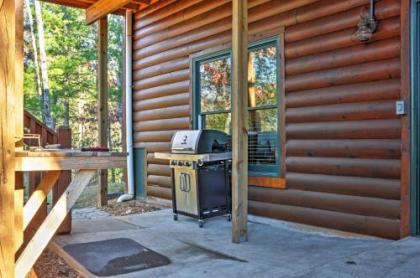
column 415, row 120
column 253, row 169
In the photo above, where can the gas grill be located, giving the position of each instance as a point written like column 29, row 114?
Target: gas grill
column 199, row 160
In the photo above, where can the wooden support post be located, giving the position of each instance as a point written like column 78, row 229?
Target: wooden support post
column 7, row 137
column 239, row 121
column 19, row 122
column 103, row 104
column 64, row 139
column 51, row 224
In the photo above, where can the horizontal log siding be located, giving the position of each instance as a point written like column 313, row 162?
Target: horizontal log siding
column 343, row 140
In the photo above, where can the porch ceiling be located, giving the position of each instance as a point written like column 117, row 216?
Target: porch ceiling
column 84, row 4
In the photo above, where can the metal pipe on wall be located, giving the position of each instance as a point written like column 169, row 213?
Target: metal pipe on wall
column 129, row 106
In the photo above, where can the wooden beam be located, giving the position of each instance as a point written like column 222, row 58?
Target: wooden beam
column 102, row 8
column 38, row 196
column 51, row 224
column 19, row 121
column 103, row 104
column 7, row 137
column 239, row 121
column 58, row 163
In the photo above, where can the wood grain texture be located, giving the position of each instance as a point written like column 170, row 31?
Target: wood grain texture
column 239, row 121
column 339, row 130
column 51, row 224
column 102, row 77
column 7, row 137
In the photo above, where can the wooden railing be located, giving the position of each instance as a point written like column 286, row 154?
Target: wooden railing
column 48, row 136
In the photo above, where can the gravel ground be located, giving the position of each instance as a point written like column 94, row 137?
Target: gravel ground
column 130, row 207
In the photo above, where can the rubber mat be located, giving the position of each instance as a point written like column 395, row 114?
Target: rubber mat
column 115, row 256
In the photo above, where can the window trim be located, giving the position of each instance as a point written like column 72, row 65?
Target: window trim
column 272, row 171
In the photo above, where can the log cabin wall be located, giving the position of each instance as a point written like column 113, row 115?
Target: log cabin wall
column 343, row 139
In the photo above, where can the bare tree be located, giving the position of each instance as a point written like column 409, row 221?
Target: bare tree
column 46, row 101
column 34, row 47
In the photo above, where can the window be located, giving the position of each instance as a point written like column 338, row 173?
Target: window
column 212, row 102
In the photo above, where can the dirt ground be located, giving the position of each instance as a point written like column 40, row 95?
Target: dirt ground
column 50, row 265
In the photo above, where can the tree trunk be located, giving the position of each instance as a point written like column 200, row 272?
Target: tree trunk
column 28, row 10
column 66, row 121
column 46, row 101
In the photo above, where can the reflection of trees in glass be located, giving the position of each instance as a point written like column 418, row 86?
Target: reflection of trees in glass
column 215, row 85
column 215, row 90
column 265, row 69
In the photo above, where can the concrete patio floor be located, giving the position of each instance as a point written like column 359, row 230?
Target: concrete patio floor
column 274, row 249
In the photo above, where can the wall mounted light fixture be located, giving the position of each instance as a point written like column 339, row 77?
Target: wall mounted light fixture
column 367, row 24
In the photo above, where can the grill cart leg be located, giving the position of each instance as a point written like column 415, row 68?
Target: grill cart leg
column 200, row 223
column 229, row 217
column 175, row 217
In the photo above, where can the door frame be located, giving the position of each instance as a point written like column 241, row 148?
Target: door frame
column 415, row 118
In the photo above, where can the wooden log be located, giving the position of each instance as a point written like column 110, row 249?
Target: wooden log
column 160, row 192
column 51, row 224
column 347, row 19
column 388, row 28
column 163, row 90
column 222, row 24
column 366, row 72
column 239, row 121
column 155, row 147
column 162, row 102
column 355, row 186
column 160, row 181
column 342, row 112
column 163, row 13
column 381, row 50
column 154, row 136
column 365, row 148
column 176, row 123
column 373, row 129
column 182, row 15
column 159, row 170
column 159, row 69
column 376, row 168
column 376, row 226
column 366, row 206
column 152, row 160
column 156, row 7
column 359, row 92
column 7, row 136
column 171, row 77
column 167, row 113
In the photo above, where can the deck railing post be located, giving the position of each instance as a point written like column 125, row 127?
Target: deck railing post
column 64, row 139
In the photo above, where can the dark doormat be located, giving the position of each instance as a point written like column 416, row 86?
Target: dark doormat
column 115, row 256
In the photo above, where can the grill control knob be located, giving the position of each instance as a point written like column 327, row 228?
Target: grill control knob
column 180, row 163
column 187, row 163
column 173, row 162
